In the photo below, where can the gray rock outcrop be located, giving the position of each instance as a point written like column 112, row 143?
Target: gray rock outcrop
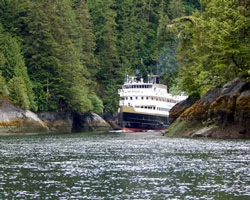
column 57, row 122
column 223, row 112
column 16, row 120
column 89, row 122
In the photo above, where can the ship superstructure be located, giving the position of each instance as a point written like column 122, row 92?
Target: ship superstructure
column 145, row 105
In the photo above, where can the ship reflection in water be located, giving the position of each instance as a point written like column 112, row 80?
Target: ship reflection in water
column 145, row 105
column 123, row 166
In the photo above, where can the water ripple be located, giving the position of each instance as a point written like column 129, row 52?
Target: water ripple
column 123, row 166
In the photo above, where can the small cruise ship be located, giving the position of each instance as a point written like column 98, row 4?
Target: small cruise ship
column 145, row 105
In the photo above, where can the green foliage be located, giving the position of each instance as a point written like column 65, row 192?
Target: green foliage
column 11, row 13
column 42, row 98
column 86, row 40
column 106, row 36
column 18, row 92
column 215, row 45
column 168, row 41
column 79, row 100
column 111, row 99
column 13, row 66
column 191, row 6
column 3, row 86
column 97, row 104
column 73, row 54
column 176, row 9
column 2, row 60
column 105, row 28
column 10, row 52
column 54, row 48
column 138, row 23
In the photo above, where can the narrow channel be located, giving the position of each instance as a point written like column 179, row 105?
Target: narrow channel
column 123, row 166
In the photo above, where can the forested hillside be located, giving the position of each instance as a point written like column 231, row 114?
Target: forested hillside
column 215, row 45
column 72, row 55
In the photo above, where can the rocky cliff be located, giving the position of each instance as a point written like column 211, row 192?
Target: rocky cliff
column 89, row 122
column 57, row 122
column 14, row 120
column 223, row 112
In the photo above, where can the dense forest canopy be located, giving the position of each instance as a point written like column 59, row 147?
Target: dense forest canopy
column 72, row 55
column 215, row 45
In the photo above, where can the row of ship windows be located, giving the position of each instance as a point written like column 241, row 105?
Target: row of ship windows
column 152, row 98
column 153, row 108
column 139, row 86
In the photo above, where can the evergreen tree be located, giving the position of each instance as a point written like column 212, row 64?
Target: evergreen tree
column 66, row 50
column 86, row 37
column 18, row 92
column 13, row 68
column 104, row 20
column 215, row 45
column 87, row 47
column 168, row 41
column 52, row 48
column 138, row 21
column 191, row 6
column 176, row 9
column 3, row 86
column 11, row 12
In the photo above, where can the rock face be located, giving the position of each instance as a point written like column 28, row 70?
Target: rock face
column 180, row 108
column 112, row 119
column 89, row 122
column 57, row 122
column 223, row 112
column 16, row 120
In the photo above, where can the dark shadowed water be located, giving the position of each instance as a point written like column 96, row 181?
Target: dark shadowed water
column 123, row 166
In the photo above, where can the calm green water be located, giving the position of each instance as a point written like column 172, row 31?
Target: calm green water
column 123, row 166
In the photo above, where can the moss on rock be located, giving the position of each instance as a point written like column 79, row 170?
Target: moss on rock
column 222, row 113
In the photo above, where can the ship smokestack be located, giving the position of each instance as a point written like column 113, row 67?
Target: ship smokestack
column 156, row 79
